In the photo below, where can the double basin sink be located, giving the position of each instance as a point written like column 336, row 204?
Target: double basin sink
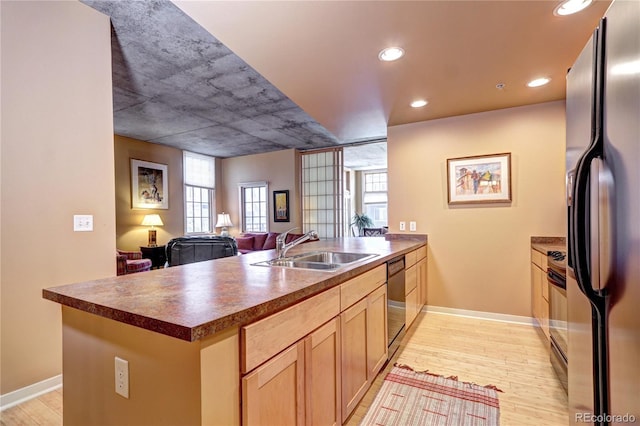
column 318, row 260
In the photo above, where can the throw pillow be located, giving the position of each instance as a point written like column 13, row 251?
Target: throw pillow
column 245, row 243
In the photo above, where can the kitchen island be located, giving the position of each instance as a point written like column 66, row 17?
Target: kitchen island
column 180, row 331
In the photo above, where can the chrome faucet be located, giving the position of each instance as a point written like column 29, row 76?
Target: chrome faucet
column 282, row 248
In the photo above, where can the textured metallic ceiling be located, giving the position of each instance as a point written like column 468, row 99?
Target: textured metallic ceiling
column 176, row 84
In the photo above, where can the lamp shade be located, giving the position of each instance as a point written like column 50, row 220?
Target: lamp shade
column 152, row 220
column 223, row 220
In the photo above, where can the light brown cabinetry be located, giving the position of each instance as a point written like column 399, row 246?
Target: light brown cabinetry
column 274, row 393
column 415, row 283
column 312, row 363
column 293, row 363
column 411, row 292
column 323, row 375
column 540, row 290
column 364, row 346
column 422, row 281
column 301, row 385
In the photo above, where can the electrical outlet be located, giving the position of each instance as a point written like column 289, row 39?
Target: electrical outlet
column 83, row 222
column 403, row 226
column 122, row 377
column 412, row 226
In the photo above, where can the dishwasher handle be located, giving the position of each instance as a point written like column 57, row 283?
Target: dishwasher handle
column 395, row 266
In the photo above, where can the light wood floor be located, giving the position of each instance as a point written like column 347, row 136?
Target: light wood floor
column 509, row 356
column 45, row 410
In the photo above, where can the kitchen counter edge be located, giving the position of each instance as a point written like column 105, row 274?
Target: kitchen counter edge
column 240, row 317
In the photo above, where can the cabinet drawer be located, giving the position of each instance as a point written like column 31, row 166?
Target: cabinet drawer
column 421, row 252
column 265, row 338
column 536, row 257
column 410, row 279
column 410, row 258
column 358, row 287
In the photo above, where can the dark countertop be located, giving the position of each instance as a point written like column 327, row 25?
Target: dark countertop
column 193, row 301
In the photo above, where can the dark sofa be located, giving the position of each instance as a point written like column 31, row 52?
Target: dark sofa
column 253, row 241
column 196, row 248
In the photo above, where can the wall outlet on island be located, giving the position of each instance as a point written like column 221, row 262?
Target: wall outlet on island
column 403, row 226
column 412, row 226
column 122, row 377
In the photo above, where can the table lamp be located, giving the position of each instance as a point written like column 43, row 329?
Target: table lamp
column 224, row 221
column 152, row 220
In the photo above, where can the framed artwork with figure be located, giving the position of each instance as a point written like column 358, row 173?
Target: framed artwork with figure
column 149, row 185
column 479, row 179
column 281, row 206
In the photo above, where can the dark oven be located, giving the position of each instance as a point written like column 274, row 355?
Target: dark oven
column 396, row 303
column 557, row 281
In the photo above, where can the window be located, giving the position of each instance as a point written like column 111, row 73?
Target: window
column 199, row 187
column 253, row 206
column 375, row 198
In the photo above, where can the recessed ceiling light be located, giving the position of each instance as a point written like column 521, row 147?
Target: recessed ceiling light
column 419, row 103
column 569, row 7
column 538, row 82
column 391, row 54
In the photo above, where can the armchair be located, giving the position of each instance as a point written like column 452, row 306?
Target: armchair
column 129, row 262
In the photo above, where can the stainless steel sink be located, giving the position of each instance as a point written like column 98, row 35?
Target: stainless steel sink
column 318, row 260
column 333, row 257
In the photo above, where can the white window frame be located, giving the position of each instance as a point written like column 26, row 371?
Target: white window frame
column 365, row 192
column 208, row 186
column 241, row 188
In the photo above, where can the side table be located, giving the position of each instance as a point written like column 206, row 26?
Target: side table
column 156, row 254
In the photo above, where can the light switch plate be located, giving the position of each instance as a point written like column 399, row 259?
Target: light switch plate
column 412, row 226
column 83, row 222
column 403, row 226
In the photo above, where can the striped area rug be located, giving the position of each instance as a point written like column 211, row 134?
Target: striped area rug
column 409, row 397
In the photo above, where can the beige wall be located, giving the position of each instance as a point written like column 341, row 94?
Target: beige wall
column 479, row 255
column 281, row 169
column 57, row 161
column 130, row 235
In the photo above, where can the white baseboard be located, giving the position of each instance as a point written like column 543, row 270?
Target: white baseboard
column 492, row 316
column 26, row 393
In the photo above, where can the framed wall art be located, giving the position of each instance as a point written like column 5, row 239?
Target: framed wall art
column 149, row 185
column 479, row 179
column 281, row 206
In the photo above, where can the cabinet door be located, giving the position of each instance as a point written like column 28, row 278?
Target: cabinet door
column 412, row 307
column 353, row 330
column 322, row 361
column 377, row 340
column 536, row 292
column 539, row 305
column 273, row 394
column 422, row 282
column 411, row 292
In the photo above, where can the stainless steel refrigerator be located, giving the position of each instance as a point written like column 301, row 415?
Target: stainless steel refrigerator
column 603, row 244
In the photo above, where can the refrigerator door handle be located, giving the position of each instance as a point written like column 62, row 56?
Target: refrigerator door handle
column 579, row 222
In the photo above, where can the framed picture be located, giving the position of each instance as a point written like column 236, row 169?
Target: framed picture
column 479, row 179
column 281, row 206
column 149, row 185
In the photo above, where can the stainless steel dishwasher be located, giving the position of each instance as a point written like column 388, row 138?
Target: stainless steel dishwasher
column 396, row 303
